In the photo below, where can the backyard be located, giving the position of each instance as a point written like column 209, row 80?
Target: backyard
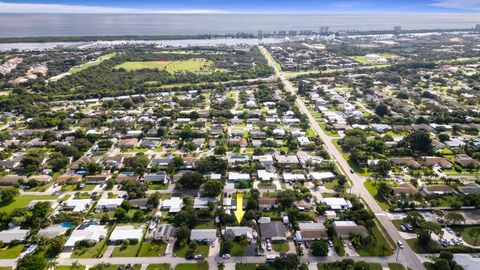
column 22, row 202
column 152, row 249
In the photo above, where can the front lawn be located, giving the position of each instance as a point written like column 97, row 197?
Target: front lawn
column 371, row 186
column 469, row 235
column 379, row 247
column 395, row 266
column 163, row 266
column 63, row 267
column 246, row 266
column 205, row 225
column 22, row 202
column 183, row 251
column 280, row 247
column 152, row 249
column 238, row 249
column 11, row 252
column 90, row 252
column 192, row 266
column 126, row 251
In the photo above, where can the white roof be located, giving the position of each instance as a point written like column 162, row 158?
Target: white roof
column 111, row 201
column 321, row 175
column 126, row 232
column 293, row 176
column 174, row 204
column 336, row 203
column 92, row 232
column 347, row 223
column 13, row 234
column 264, row 175
column 78, row 205
column 238, row 176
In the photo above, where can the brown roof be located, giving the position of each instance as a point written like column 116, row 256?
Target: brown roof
column 314, row 234
column 11, row 179
column 406, row 188
column 407, row 161
column 128, row 142
column 69, row 178
column 267, row 200
column 465, row 160
column 122, row 178
column 438, row 188
column 437, row 160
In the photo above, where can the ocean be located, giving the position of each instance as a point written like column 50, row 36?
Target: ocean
column 30, row 25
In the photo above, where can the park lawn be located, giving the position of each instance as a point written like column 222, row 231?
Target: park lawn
column 128, row 251
column 64, row 267
column 191, row 266
column 22, row 202
column 201, row 250
column 137, row 65
column 372, row 189
column 152, row 249
column 395, row 266
column 191, row 65
column 432, row 247
column 91, row 63
column 163, row 266
column 90, row 252
column 238, row 249
column 379, row 247
column 280, row 247
column 11, row 252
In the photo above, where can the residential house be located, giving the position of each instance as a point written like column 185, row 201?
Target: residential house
column 345, row 229
column 274, row 231
column 203, row 235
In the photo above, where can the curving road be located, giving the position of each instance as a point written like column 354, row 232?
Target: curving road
column 406, row 255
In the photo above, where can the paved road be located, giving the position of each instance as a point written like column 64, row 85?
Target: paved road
column 406, row 255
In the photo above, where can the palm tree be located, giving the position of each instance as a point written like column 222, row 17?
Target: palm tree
column 221, row 266
column 52, row 264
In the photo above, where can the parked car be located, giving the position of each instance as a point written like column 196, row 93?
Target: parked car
column 226, row 256
column 403, row 228
column 352, row 171
column 409, row 226
column 330, row 243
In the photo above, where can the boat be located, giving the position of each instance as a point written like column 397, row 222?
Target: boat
column 152, row 225
column 31, row 249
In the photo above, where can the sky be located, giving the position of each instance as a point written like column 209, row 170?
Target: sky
column 240, row 6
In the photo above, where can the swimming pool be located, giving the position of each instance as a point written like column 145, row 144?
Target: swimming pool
column 67, row 224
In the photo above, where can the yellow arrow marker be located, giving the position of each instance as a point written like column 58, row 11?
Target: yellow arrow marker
column 239, row 212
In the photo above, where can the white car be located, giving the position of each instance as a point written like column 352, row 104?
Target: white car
column 226, row 256
column 269, row 247
column 400, row 244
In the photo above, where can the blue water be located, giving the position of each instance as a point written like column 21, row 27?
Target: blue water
column 67, row 225
column 81, row 171
column 22, row 25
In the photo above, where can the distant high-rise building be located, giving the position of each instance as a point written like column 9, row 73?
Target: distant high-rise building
column 477, row 27
column 282, row 33
column 397, row 28
column 323, row 30
column 292, row 33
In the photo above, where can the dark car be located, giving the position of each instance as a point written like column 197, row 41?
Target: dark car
column 189, row 257
column 352, row 171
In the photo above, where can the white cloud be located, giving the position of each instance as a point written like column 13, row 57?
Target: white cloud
column 60, row 8
column 458, row 4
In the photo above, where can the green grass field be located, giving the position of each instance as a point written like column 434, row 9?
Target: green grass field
column 92, row 252
column 379, row 247
column 201, row 250
column 191, row 65
column 238, row 249
column 152, row 249
column 64, row 267
column 396, row 266
column 22, row 202
column 245, row 266
column 280, row 247
column 469, row 235
column 163, row 266
column 128, row 251
column 11, row 252
column 91, row 63
column 372, row 189
column 191, row 266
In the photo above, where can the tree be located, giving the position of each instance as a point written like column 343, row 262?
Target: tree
column 212, row 188
column 120, row 214
column 384, row 189
column 182, row 233
column 192, row 180
column 32, row 262
column 443, row 137
column 475, row 233
column 154, row 199
column 211, row 164
column 7, row 195
column 319, row 248
column 286, row 197
column 419, row 141
column 185, row 218
column 382, row 110
column 286, row 262
column 424, row 237
column 93, row 168
column 454, row 217
column 134, row 189
column 138, row 163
